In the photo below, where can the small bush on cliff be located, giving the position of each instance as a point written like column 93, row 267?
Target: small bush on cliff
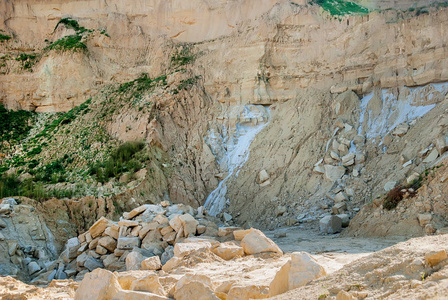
column 136, row 88
column 4, row 37
column 68, row 43
column 27, row 60
column 182, row 56
column 14, row 125
column 70, row 23
column 122, row 160
column 341, row 7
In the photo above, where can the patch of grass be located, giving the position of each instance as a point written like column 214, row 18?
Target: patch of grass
column 14, row 125
column 64, row 118
column 27, row 60
column 4, row 37
column 186, row 84
column 341, row 7
column 68, row 43
column 183, row 56
column 136, row 88
column 122, row 160
column 11, row 186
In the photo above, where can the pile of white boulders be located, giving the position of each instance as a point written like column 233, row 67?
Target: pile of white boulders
column 152, row 237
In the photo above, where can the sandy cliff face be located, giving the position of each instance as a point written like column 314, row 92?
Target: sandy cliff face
column 309, row 69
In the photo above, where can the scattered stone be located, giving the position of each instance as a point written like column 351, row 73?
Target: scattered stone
column 424, row 219
column 135, row 212
column 390, row 185
column 435, row 257
column 98, row 227
column 256, row 242
column 225, row 231
column 99, row 284
column 195, row 290
column 189, row 224
column 151, row 263
column 167, row 254
column 345, row 219
column 135, row 295
column 340, row 197
column 280, row 235
column 280, row 210
column 108, row 242
column 33, row 267
column 330, row 224
column 127, row 223
column 429, row 229
column 401, row 129
column 134, row 260
column 334, row 173
column 201, row 229
column 413, row 177
column 128, row 243
column 93, row 263
column 339, row 208
column 432, row 156
column 112, row 232
column 12, row 247
column 301, row 269
column 149, row 283
column 228, row 251
column 182, row 249
column 227, row 217
column 343, row 295
column 348, row 159
column 100, row 250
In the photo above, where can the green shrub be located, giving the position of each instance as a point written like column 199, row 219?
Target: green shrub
column 183, row 56
column 68, row 43
column 28, row 60
column 4, row 37
column 122, row 160
column 14, row 125
column 136, row 88
column 341, row 7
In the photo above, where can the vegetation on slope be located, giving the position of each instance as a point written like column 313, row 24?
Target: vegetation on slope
column 341, row 7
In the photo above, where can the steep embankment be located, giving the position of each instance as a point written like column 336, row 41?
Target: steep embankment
column 335, row 87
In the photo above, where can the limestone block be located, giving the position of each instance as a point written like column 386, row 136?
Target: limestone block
column 135, row 295
column 424, row 219
column 98, row 227
column 151, row 263
column 435, row 257
column 228, row 251
column 128, row 243
column 149, row 283
column 330, row 224
column 240, row 234
column 301, row 269
column 189, row 224
column 134, row 261
column 108, row 242
column 334, row 173
column 195, row 290
column 93, row 263
column 182, row 249
column 98, row 285
column 256, row 242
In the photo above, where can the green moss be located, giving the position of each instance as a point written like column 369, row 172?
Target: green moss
column 341, row 7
